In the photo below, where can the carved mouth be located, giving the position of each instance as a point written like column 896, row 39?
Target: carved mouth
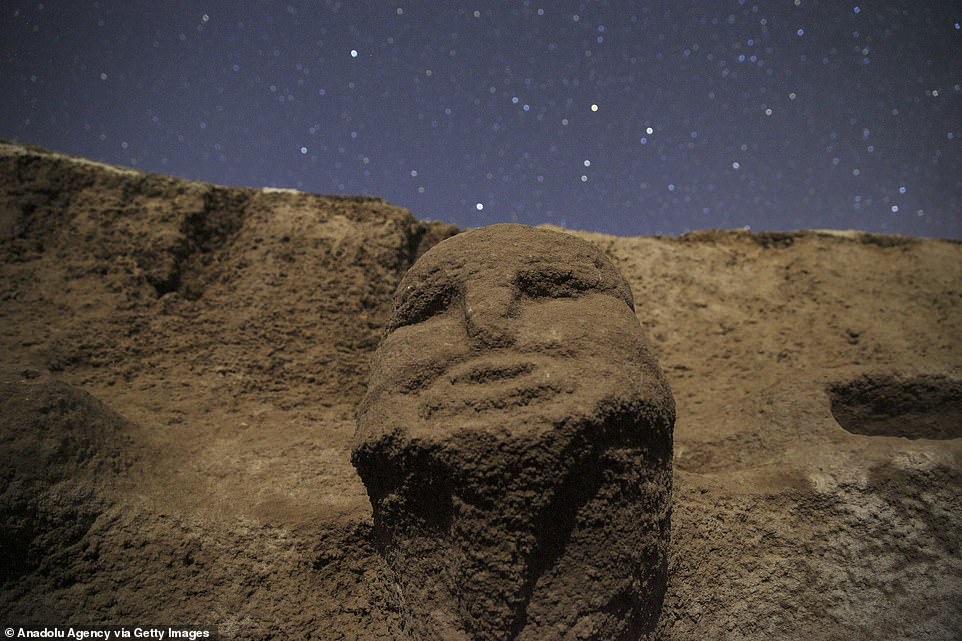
column 492, row 383
column 508, row 397
column 490, row 373
column 484, row 372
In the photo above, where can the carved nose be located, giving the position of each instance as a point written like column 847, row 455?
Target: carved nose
column 486, row 316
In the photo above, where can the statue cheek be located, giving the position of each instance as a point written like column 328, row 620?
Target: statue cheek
column 411, row 356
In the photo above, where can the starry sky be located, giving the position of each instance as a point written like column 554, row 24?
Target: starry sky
column 621, row 117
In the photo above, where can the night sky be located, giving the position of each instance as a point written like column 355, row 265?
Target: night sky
column 621, row 117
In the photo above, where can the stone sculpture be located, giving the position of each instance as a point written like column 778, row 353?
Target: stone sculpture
column 515, row 442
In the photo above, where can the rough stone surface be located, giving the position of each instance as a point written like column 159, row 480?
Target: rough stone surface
column 239, row 381
column 516, row 444
column 58, row 447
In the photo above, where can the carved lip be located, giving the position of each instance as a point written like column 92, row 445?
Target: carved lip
column 480, row 400
column 492, row 383
column 489, row 370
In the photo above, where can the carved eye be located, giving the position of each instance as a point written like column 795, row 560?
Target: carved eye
column 422, row 302
column 552, row 284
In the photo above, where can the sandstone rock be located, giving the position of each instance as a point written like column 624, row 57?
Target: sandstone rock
column 58, row 445
column 515, row 442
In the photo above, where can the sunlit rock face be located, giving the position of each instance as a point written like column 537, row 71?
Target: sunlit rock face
column 516, row 443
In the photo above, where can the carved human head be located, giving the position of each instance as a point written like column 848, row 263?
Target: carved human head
column 515, row 422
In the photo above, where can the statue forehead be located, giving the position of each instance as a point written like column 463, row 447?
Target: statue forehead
column 500, row 252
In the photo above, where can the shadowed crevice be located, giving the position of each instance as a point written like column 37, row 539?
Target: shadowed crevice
column 555, row 525
column 188, row 266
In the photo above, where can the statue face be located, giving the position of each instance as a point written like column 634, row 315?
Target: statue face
column 506, row 325
column 515, row 442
